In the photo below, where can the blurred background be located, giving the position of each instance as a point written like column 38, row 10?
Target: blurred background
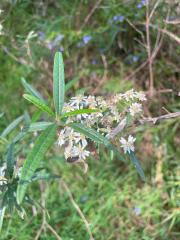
column 108, row 46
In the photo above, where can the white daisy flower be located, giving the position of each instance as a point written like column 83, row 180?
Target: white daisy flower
column 61, row 138
column 78, row 100
column 141, row 96
column 91, row 101
column 81, row 152
column 129, row 95
column 127, row 145
column 135, row 108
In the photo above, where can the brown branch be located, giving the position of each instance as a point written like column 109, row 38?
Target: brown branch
column 90, row 14
column 156, row 119
column 77, row 209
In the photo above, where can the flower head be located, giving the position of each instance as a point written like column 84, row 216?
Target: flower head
column 127, row 145
column 135, row 108
column 141, row 96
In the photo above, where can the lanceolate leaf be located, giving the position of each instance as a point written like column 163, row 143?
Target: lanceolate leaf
column 58, row 83
column 39, row 126
column 71, row 83
column 1, row 115
column 96, row 137
column 79, row 111
column 12, row 126
column 89, row 132
column 39, row 104
column 10, row 160
column 137, row 165
column 31, row 90
column 2, row 212
column 44, row 141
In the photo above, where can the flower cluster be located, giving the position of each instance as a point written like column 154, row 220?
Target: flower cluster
column 107, row 116
column 85, row 40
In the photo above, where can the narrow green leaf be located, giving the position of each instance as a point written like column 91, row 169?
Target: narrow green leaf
column 89, row 132
column 42, row 106
column 10, row 160
column 96, row 137
column 2, row 212
column 79, row 111
column 39, row 126
column 31, row 90
column 12, row 126
column 42, row 144
column 71, row 83
column 137, row 165
column 1, row 115
column 58, row 83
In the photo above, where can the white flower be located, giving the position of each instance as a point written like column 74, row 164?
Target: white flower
column 91, row 101
column 3, row 180
column 80, row 152
column 72, row 136
column 68, row 153
column 78, row 100
column 61, row 138
column 129, row 95
column 135, row 108
column 67, row 108
column 127, row 145
column 141, row 96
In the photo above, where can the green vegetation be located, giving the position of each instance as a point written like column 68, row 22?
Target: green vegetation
column 102, row 44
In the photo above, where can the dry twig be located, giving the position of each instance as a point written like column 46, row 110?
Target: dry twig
column 77, row 208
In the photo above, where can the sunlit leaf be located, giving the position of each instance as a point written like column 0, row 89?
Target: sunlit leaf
column 39, row 104
column 58, row 83
column 42, row 144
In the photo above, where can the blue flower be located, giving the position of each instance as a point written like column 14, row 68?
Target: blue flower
column 86, row 39
column 118, row 18
column 41, row 35
column 135, row 58
column 137, row 210
column 141, row 4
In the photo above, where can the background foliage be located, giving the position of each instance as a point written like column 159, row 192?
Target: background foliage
column 102, row 50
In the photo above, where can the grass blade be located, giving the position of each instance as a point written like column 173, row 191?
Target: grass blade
column 137, row 165
column 31, row 90
column 39, row 104
column 12, row 126
column 58, row 83
column 42, row 144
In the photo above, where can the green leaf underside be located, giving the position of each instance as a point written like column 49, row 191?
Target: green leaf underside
column 39, row 126
column 58, row 83
column 79, row 111
column 137, row 165
column 12, row 126
column 39, row 104
column 2, row 212
column 42, row 144
column 31, row 90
